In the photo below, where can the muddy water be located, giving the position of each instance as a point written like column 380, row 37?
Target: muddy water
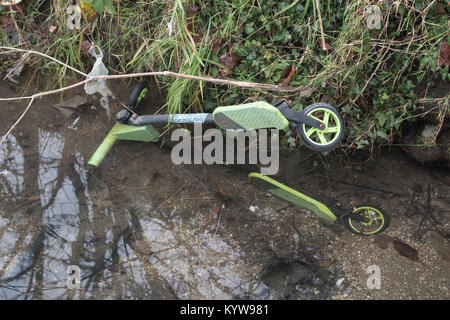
column 139, row 227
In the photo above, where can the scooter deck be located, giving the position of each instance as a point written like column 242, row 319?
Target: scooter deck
column 255, row 115
column 292, row 196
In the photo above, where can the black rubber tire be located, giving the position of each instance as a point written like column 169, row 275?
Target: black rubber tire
column 310, row 144
column 386, row 217
column 132, row 100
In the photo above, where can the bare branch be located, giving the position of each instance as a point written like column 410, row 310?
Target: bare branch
column 28, row 52
column 242, row 84
column 17, row 122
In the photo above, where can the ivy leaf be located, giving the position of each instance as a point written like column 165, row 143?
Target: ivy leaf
column 109, row 7
column 381, row 134
column 98, row 6
column 248, row 28
column 381, row 117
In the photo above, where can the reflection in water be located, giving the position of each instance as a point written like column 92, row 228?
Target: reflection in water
column 52, row 217
column 11, row 167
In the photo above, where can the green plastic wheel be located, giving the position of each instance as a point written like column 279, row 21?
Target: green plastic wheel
column 367, row 221
column 318, row 139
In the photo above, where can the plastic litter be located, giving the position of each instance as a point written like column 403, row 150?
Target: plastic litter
column 73, row 126
column 170, row 27
column 339, row 282
column 71, row 105
column 10, row 2
column 99, row 85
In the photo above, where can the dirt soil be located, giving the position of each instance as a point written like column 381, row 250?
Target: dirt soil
column 140, row 227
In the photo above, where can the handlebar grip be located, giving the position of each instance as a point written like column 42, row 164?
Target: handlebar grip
column 135, row 97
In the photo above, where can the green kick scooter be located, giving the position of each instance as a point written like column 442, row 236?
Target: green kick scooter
column 319, row 126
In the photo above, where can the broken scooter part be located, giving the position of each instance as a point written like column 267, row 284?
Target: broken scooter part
column 363, row 220
column 122, row 131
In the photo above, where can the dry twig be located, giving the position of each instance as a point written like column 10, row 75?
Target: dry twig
column 242, row 84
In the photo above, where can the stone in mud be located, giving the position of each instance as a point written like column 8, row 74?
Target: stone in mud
column 428, row 150
column 141, row 247
column 71, row 105
column 441, row 246
column 284, row 277
column 425, row 154
column 223, row 192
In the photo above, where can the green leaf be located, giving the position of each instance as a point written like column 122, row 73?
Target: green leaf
column 381, row 134
column 381, row 117
column 248, row 28
column 109, row 7
column 98, row 6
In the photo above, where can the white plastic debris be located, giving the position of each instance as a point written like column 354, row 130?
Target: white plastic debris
column 73, row 17
column 428, row 131
column 9, row 2
column 4, row 172
column 252, row 208
column 339, row 282
column 73, row 126
column 99, row 85
column 170, row 27
column 291, row 142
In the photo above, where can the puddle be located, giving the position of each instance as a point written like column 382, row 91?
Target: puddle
column 117, row 226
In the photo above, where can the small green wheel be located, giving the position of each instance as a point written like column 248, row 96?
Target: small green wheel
column 318, row 139
column 367, row 220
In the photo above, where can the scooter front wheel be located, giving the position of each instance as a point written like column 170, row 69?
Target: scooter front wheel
column 326, row 139
column 367, row 221
column 139, row 92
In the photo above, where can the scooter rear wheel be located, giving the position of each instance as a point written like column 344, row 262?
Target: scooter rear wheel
column 322, row 140
column 367, row 221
